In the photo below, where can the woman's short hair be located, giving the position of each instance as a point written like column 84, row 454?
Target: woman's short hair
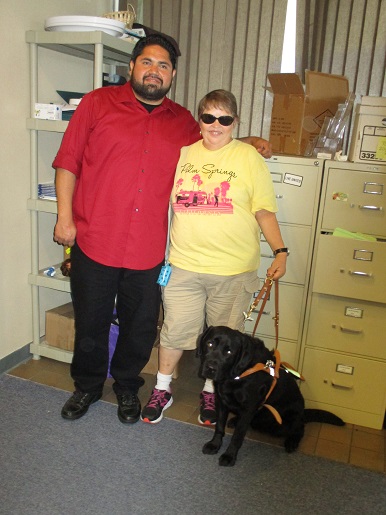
column 155, row 39
column 220, row 99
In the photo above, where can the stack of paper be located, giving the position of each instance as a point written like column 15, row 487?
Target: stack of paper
column 343, row 233
column 46, row 190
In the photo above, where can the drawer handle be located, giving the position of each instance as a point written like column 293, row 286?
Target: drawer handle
column 343, row 386
column 373, row 208
column 267, row 313
column 270, row 256
column 279, row 196
column 350, row 331
column 361, row 274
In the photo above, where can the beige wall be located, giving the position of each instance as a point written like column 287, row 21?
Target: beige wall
column 15, row 292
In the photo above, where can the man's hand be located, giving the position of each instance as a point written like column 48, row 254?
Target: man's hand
column 64, row 233
column 263, row 146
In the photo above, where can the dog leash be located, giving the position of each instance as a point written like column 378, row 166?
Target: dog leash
column 263, row 296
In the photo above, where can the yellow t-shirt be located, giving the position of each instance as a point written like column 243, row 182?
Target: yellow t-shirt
column 215, row 197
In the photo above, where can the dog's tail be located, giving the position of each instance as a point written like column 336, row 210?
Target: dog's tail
column 319, row 415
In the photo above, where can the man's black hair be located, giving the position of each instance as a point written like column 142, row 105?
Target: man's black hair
column 155, row 39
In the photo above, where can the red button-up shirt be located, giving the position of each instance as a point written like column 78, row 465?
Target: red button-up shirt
column 124, row 159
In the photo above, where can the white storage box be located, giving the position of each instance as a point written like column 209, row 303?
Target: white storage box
column 368, row 139
column 48, row 111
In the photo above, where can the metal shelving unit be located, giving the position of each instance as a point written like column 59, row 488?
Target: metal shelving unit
column 101, row 49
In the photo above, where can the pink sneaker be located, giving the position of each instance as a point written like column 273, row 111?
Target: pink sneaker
column 159, row 401
column 207, row 415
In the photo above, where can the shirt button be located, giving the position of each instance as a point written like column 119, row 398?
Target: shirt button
column 140, row 191
column 136, row 210
column 146, row 151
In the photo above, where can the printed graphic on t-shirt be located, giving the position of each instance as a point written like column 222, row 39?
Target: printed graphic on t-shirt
column 193, row 192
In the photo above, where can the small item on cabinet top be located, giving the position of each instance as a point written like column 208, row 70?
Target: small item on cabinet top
column 113, row 80
column 72, row 100
column 46, row 190
column 50, row 272
column 127, row 17
column 48, row 111
column 298, row 112
column 85, row 24
column 330, row 139
column 65, row 267
column 368, row 140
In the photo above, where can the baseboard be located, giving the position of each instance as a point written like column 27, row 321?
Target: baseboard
column 14, row 359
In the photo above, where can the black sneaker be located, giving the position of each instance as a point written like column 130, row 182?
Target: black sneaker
column 78, row 404
column 129, row 408
column 207, row 415
column 159, row 401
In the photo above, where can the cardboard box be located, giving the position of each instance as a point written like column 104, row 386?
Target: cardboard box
column 298, row 113
column 60, row 331
column 368, row 138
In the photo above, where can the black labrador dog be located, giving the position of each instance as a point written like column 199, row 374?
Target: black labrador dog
column 244, row 372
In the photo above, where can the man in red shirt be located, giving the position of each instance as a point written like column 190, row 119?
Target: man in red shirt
column 114, row 175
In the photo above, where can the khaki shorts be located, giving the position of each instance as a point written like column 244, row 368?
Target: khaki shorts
column 190, row 300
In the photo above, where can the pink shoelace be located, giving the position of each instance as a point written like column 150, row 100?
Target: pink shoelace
column 158, row 397
column 208, row 401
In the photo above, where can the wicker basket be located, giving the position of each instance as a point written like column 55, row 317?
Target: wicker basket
column 127, row 17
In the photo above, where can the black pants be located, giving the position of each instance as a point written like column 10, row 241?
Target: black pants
column 94, row 289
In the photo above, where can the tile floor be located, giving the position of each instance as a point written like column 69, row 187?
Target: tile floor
column 359, row 446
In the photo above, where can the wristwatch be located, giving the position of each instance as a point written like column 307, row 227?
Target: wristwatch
column 279, row 251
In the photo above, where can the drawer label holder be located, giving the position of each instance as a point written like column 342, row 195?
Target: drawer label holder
column 344, row 369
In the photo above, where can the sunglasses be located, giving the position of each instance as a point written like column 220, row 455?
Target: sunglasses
column 223, row 120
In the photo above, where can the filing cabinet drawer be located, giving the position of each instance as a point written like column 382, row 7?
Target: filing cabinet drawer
column 297, row 191
column 351, row 268
column 347, row 325
column 347, row 381
column 290, row 309
column 298, row 239
column 355, row 201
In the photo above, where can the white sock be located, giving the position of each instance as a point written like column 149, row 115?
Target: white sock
column 163, row 381
column 208, row 386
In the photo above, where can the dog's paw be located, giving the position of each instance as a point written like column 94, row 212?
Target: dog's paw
column 211, row 448
column 227, row 460
column 291, row 444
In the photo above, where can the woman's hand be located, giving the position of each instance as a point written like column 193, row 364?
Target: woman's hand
column 278, row 266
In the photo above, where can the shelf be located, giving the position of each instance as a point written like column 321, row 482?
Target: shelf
column 43, row 349
column 58, row 282
column 46, row 125
column 45, row 206
column 82, row 44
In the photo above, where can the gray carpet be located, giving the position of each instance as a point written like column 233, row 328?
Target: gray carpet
column 98, row 466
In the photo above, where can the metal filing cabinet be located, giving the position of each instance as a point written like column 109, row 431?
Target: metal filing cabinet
column 343, row 354
column 297, row 183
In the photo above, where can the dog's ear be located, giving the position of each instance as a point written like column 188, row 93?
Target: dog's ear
column 201, row 341
column 245, row 353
